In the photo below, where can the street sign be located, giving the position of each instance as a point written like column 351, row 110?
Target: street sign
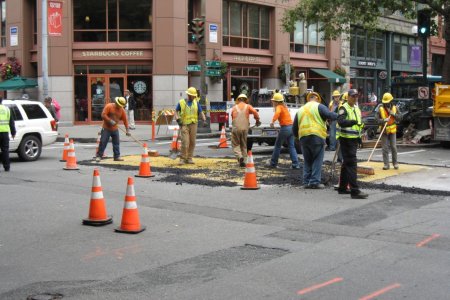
column 213, row 63
column 423, row 92
column 213, row 73
column 193, row 68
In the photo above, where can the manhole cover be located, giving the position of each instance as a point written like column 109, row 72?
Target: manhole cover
column 45, row 296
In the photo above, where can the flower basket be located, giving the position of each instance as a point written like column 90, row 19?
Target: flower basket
column 10, row 68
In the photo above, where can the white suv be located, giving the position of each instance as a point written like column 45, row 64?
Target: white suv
column 35, row 128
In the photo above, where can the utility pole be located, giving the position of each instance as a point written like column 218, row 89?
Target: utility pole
column 202, row 59
column 44, row 49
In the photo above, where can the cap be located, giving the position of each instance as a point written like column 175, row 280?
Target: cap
column 352, row 92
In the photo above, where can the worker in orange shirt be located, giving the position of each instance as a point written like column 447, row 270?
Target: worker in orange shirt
column 240, row 114
column 283, row 117
column 111, row 115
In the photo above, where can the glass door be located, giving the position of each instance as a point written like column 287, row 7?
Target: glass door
column 103, row 90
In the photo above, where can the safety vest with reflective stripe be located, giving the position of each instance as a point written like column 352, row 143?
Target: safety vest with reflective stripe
column 391, row 127
column 189, row 114
column 353, row 113
column 4, row 118
column 310, row 122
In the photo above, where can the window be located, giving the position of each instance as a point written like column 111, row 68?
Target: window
column 3, row 23
column 245, row 25
column 307, row 39
column 34, row 111
column 15, row 112
column 402, row 47
column 112, row 20
column 365, row 45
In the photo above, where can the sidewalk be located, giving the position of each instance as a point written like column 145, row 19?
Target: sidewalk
column 89, row 133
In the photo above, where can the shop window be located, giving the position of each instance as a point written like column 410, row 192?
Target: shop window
column 366, row 45
column 402, row 47
column 307, row 39
column 245, row 26
column 112, row 20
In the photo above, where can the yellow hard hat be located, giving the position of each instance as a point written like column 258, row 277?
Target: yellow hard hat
column 242, row 96
column 344, row 96
column 314, row 94
column 277, row 97
column 387, row 97
column 336, row 93
column 121, row 101
column 192, row 91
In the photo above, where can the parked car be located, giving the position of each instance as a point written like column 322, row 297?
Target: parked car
column 35, row 128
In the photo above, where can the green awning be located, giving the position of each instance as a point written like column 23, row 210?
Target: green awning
column 330, row 75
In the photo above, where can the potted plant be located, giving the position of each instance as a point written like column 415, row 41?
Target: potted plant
column 10, row 68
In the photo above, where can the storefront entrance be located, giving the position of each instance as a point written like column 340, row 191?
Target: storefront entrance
column 102, row 90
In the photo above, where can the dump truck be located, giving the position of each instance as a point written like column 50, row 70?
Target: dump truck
column 441, row 114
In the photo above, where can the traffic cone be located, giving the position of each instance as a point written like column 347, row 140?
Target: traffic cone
column 66, row 148
column 130, row 216
column 98, row 146
column 250, row 182
column 71, row 163
column 97, row 207
column 144, row 167
column 175, row 146
column 223, row 139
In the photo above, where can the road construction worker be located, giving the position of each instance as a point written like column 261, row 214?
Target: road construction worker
column 240, row 115
column 388, row 115
column 111, row 115
column 350, row 126
column 285, row 134
column 7, row 126
column 310, row 127
column 186, row 114
column 333, row 106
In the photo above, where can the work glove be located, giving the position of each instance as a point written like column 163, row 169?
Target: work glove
column 205, row 124
column 386, row 120
column 271, row 125
column 354, row 122
column 112, row 122
column 258, row 123
column 179, row 122
column 128, row 133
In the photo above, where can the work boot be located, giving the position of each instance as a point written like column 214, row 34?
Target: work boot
column 118, row 158
column 319, row 186
column 359, row 195
column 241, row 162
column 97, row 159
column 182, row 161
column 396, row 166
column 343, row 191
column 386, row 167
column 190, row 161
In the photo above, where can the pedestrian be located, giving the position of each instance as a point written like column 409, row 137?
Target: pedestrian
column 130, row 108
column 310, row 127
column 48, row 104
column 388, row 115
column 240, row 115
column 111, row 115
column 333, row 106
column 186, row 114
column 6, row 127
column 285, row 134
column 350, row 127
column 57, row 108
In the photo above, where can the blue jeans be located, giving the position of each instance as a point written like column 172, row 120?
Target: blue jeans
column 104, row 138
column 285, row 134
column 313, row 153
column 333, row 136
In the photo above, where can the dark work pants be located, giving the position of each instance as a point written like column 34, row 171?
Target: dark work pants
column 4, row 146
column 104, row 138
column 348, row 168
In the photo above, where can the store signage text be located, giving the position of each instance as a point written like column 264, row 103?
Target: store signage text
column 366, row 63
column 242, row 58
column 124, row 53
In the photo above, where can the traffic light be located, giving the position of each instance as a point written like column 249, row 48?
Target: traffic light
column 198, row 30
column 423, row 23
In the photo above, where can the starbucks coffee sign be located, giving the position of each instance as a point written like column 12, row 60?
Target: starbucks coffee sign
column 113, row 53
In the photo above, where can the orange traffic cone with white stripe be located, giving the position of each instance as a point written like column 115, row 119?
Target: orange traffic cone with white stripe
column 144, row 168
column 71, row 163
column 66, row 148
column 223, row 139
column 250, row 182
column 175, row 146
column 130, row 216
column 97, row 207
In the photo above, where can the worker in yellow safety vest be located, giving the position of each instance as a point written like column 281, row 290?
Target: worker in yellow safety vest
column 333, row 106
column 6, row 127
column 186, row 114
column 388, row 116
column 309, row 125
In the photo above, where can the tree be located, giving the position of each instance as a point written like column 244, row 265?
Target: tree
column 337, row 14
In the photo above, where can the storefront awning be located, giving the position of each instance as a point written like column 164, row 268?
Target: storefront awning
column 330, row 75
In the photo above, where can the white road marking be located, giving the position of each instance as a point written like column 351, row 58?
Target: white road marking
column 409, row 152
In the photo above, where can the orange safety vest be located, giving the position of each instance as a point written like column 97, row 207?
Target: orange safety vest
column 391, row 127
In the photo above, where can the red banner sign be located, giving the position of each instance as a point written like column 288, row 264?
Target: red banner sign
column 54, row 14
